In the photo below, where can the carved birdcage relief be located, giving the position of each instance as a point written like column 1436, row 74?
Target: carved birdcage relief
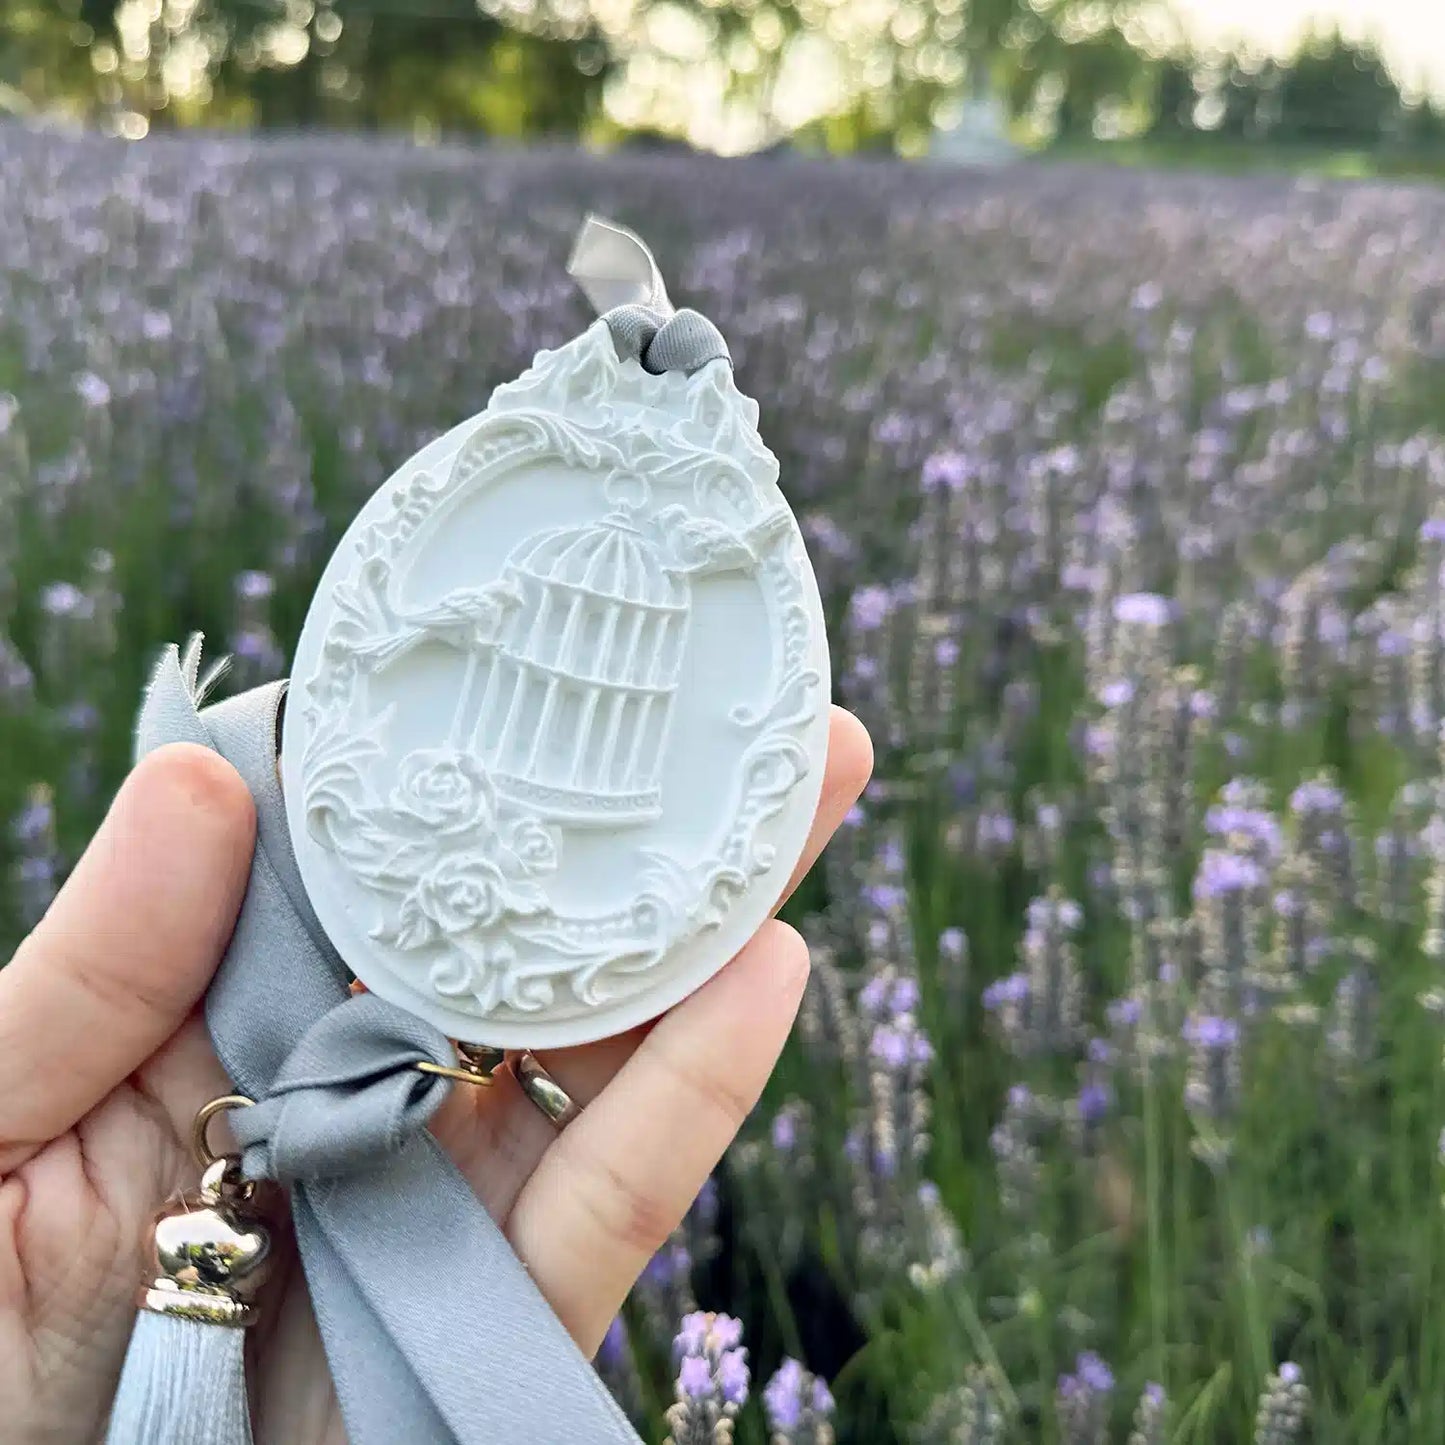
column 569, row 711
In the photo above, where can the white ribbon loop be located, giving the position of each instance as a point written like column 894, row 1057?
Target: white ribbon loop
column 615, row 267
column 618, row 274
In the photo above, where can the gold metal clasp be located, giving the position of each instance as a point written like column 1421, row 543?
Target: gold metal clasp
column 209, row 1251
column 476, row 1063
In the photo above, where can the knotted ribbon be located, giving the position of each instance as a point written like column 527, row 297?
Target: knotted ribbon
column 618, row 275
column 434, row 1332
column 348, row 1097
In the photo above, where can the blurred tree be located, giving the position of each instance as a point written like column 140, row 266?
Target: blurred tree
column 438, row 64
column 837, row 74
column 44, row 56
column 1174, row 97
column 1075, row 60
column 1423, row 124
column 1096, row 71
column 885, row 81
column 441, row 64
column 1247, row 98
column 1336, row 91
column 894, row 80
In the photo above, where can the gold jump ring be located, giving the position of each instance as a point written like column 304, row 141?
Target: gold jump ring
column 200, row 1145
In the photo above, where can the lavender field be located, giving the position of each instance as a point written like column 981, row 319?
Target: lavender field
column 1115, row 1114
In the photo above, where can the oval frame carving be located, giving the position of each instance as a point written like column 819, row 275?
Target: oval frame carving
column 462, row 930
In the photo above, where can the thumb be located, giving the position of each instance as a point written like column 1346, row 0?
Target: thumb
column 127, row 947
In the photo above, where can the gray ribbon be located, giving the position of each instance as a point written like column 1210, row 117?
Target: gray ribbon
column 620, row 277
column 434, row 1332
column 348, row 1097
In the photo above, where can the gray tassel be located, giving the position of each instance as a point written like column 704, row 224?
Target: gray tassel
column 184, row 1383
column 184, row 1378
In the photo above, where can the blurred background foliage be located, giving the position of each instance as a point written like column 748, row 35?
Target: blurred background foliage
column 728, row 75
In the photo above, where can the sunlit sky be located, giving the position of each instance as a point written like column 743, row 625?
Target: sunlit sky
column 1411, row 33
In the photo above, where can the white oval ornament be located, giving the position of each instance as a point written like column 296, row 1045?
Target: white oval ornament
column 558, row 714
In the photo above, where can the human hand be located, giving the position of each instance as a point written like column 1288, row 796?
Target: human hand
column 104, row 1060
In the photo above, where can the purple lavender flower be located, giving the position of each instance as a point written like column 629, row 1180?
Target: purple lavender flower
column 1284, row 1408
column 1003, row 991
column 1094, row 1102
column 885, row 897
column 732, row 1376
column 784, row 1131
column 893, row 1047
column 1144, row 609
column 37, row 870
column 35, row 823
column 80, row 717
column 1017, row 1160
column 255, row 586
column 1316, row 796
column 712, row 1379
column 618, row 1368
column 64, row 599
column 969, row 1414
column 695, row 1378
column 1055, row 911
column 870, row 608
column 953, row 970
column 1221, row 872
column 1211, row 1032
column 614, row 1342
column 1038, row 1009
column 92, row 389
column 1082, row 1401
column 945, row 470
column 797, row 1407
column 17, row 682
column 1246, row 827
column 663, row 1292
column 873, row 996
column 1124, row 1013
column 669, row 1263
column 1151, row 1417
column 905, row 996
column 1213, row 1082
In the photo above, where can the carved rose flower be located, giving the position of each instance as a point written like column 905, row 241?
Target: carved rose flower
column 463, row 891
column 446, row 790
column 534, row 845
column 483, row 973
column 460, row 866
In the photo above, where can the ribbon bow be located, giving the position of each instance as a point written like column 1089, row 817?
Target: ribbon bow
column 619, row 275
